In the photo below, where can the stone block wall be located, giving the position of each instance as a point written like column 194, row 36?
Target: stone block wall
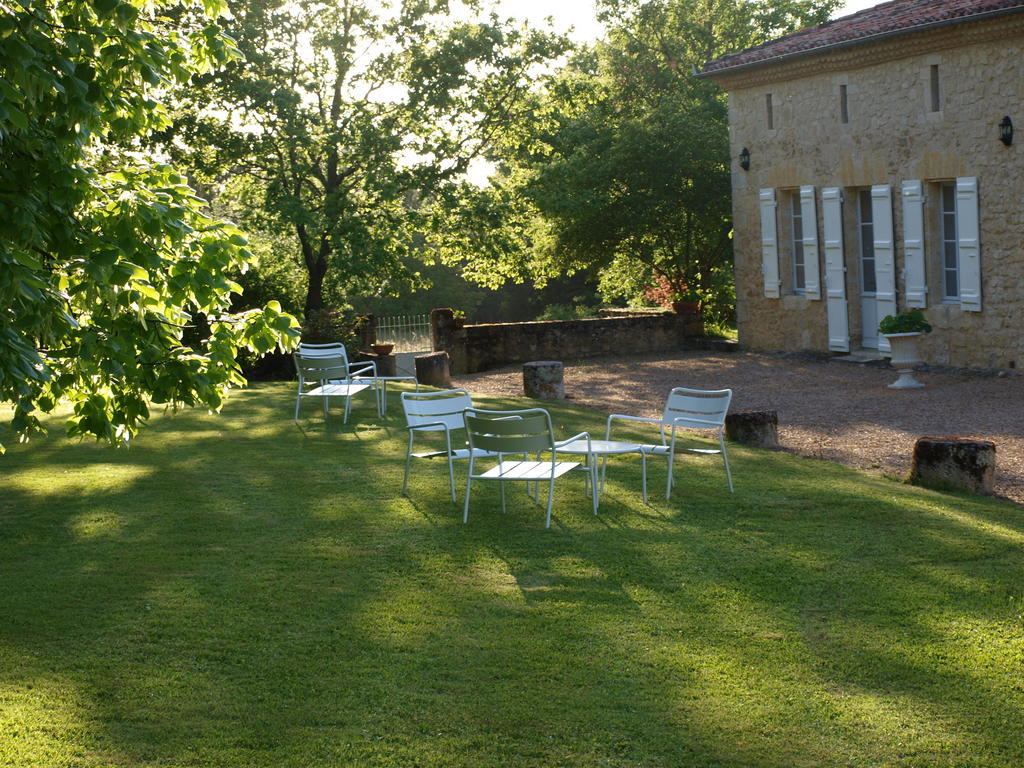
column 481, row 347
column 891, row 134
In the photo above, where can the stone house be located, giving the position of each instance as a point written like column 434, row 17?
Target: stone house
column 874, row 170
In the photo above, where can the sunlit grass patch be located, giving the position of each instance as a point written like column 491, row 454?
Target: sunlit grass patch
column 234, row 590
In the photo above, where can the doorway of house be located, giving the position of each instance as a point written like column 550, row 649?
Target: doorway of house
column 868, row 280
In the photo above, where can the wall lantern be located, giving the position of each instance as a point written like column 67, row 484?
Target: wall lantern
column 745, row 155
column 1006, row 131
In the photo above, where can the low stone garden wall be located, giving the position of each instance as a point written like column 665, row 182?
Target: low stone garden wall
column 475, row 348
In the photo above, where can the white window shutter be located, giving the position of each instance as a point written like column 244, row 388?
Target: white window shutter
column 809, row 214
column 915, row 279
column 769, row 245
column 835, row 270
column 885, row 256
column 968, row 243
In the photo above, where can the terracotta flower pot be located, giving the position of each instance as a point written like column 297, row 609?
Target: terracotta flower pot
column 382, row 349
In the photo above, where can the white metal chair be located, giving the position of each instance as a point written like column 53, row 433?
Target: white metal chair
column 527, row 432
column 365, row 370
column 700, row 409
column 325, row 376
column 432, row 412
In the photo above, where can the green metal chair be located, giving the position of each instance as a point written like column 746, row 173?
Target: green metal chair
column 527, row 433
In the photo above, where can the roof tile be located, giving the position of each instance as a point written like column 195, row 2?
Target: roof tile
column 896, row 16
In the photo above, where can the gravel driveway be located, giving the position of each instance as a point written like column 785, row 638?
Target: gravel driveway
column 827, row 409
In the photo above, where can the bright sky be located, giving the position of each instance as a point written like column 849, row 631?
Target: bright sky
column 580, row 13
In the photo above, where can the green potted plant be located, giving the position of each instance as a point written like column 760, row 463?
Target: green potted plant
column 903, row 330
column 686, row 302
column 912, row 321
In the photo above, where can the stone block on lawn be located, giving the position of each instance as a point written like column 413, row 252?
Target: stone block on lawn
column 954, row 462
column 387, row 365
column 543, row 379
column 434, row 370
column 757, row 428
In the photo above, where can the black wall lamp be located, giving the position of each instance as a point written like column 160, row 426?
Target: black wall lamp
column 1006, row 130
column 745, row 155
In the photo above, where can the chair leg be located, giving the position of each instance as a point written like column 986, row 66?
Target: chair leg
column 536, row 485
column 671, row 461
column 725, row 460
column 408, row 462
column 643, row 466
column 298, row 399
column 469, row 483
column 451, row 469
column 551, row 497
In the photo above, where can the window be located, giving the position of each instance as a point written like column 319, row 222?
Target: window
column 769, row 112
column 797, row 231
column 844, row 105
column 933, row 88
column 950, row 247
column 866, row 229
column 952, row 261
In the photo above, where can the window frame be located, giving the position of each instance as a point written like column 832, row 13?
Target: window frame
column 796, row 236
column 947, row 245
column 865, row 244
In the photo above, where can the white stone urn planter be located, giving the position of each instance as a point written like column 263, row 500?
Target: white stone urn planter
column 904, row 358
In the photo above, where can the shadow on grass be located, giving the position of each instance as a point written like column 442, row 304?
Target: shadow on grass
column 236, row 591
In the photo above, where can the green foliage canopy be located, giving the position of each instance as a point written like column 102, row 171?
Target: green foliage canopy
column 356, row 119
column 626, row 160
column 112, row 274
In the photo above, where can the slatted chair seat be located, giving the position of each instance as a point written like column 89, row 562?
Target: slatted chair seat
column 336, row 390
column 692, row 409
column 527, row 470
column 456, row 453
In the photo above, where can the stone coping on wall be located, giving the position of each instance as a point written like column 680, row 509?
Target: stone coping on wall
column 632, row 311
column 480, row 347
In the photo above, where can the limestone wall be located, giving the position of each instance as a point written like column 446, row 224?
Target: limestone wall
column 892, row 134
column 480, row 347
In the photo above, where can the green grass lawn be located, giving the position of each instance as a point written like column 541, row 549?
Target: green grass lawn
column 235, row 591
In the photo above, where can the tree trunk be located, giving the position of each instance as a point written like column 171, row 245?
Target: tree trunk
column 315, row 292
column 316, row 268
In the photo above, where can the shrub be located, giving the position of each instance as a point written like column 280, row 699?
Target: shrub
column 905, row 322
column 332, row 324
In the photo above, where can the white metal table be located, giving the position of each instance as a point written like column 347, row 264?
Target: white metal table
column 604, row 449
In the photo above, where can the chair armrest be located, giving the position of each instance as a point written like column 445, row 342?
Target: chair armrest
column 581, row 436
column 428, row 425
column 360, row 368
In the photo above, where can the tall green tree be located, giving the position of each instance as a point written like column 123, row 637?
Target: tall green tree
column 113, row 291
column 626, row 162
column 356, row 118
